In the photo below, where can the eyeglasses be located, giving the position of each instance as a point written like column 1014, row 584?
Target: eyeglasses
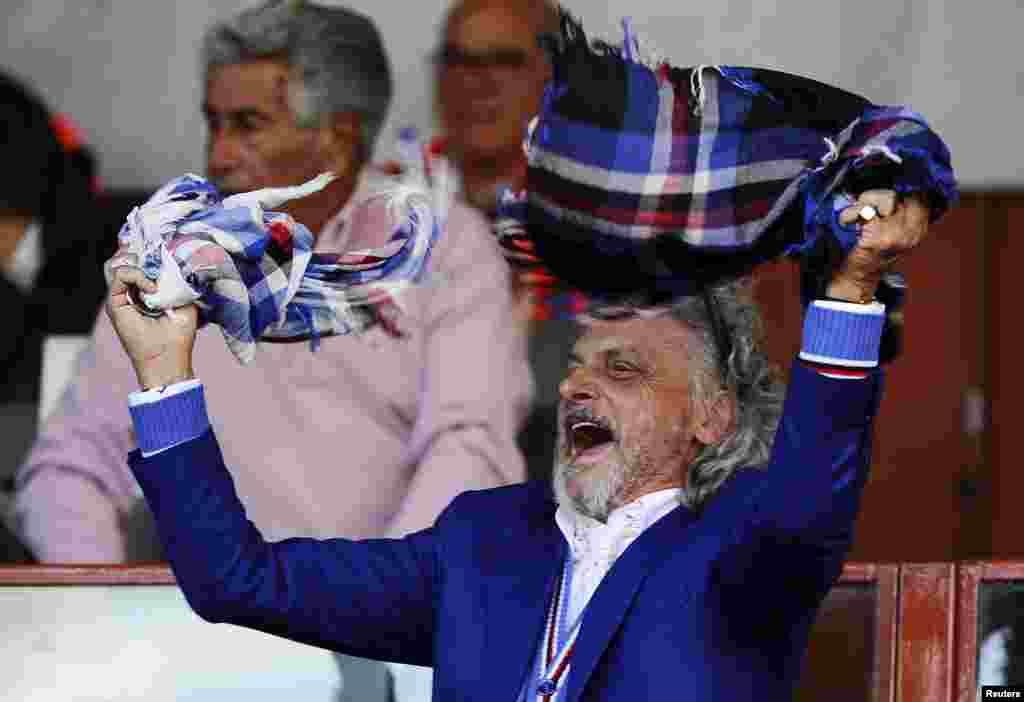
column 450, row 56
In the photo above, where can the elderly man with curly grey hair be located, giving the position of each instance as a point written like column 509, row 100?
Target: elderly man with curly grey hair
column 687, row 497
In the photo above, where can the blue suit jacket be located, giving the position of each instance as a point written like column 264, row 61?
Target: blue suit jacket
column 708, row 606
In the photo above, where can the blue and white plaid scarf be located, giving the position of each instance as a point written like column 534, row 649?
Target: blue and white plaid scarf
column 253, row 272
column 661, row 179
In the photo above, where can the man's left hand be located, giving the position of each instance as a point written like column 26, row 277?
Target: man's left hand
column 900, row 225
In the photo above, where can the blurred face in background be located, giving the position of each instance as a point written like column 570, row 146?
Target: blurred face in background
column 254, row 139
column 490, row 77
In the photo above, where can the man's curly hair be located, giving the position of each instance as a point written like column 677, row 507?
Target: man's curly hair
column 753, row 384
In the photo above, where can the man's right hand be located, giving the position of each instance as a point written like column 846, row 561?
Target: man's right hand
column 160, row 347
column 900, row 226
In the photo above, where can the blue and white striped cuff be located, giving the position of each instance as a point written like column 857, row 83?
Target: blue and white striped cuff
column 168, row 417
column 842, row 333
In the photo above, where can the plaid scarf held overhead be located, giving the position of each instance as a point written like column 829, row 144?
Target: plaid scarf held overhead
column 660, row 180
column 253, row 272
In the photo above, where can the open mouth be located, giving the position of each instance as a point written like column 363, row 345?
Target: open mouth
column 587, row 437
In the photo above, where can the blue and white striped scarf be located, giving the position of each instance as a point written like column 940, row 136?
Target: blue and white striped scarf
column 252, row 271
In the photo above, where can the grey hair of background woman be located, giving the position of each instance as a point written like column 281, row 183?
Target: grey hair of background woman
column 337, row 53
column 753, row 382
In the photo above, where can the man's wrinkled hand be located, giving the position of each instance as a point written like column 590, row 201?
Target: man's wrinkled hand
column 160, row 348
column 900, row 225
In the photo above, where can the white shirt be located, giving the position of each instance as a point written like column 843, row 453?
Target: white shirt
column 594, row 547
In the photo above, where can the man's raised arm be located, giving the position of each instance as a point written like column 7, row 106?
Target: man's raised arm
column 822, row 448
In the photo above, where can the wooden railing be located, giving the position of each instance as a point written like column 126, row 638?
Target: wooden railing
column 886, row 633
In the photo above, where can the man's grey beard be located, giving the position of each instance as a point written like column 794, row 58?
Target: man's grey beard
column 595, row 497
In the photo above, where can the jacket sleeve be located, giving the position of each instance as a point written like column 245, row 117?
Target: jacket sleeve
column 74, row 491
column 475, row 384
column 370, row 598
column 820, row 458
column 798, row 521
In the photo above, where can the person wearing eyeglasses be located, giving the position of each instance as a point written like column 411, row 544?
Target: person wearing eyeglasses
column 490, row 73
column 490, row 77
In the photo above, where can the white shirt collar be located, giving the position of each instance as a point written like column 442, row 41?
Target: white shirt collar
column 594, row 547
column 585, row 534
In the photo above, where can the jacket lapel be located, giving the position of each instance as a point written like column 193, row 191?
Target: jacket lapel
column 518, row 589
column 611, row 600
